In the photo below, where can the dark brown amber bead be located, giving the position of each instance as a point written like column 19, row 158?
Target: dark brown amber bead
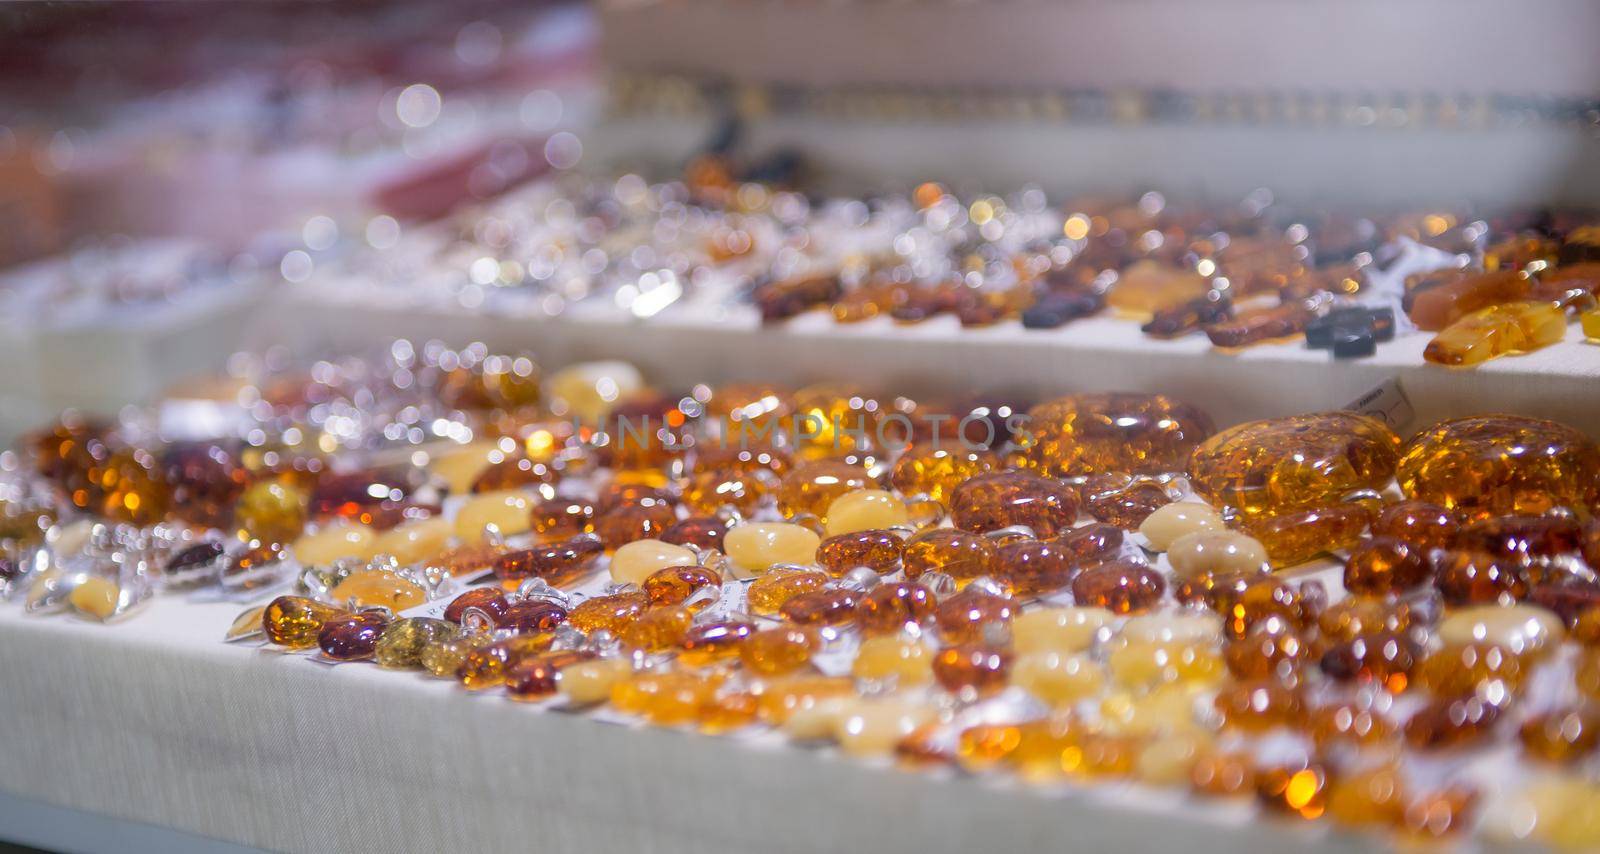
column 1522, row 536
column 1351, row 724
column 360, row 496
column 1258, row 705
column 821, row 608
column 1561, row 735
column 974, row 668
column 709, row 643
column 1122, row 587
column 206, row 480
column 559, row 564
column 1215, row 589
column 1295, row 790
column 630, row 522
column 962, row 618
column 1568, row 598
column 622, row 494
column 532, row 615
column 784, row 299
column 557, row 519
column 1386, row 659
column 1385, row 564
column 675, row 584
column 490, row 600
column 1091, row 544
column 1123, row 502
column 701, row 532
column 998, row 500
column 1033, row 568
column 195, row 557
column 1451, row 722
column 1266, row 323
column 878, row 551
column 962, row 555
column 892, row 605
column 1476, row 578
column 1590, row 546
column 353, row 637
column 1420, row 524
column 1271, row 648
column 535, row 677
column 1296, row 537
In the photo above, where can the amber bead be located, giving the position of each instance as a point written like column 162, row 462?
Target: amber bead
column 1270, row 649
column 1259, row 600
column 293, row 621
column 536, row 677
column 1510, row 328
column 1091, row 544
column 936, row 471
column 657, row 630
column 513, row 471
column 621, row 493
column 675, row 584
column 1475, row 578
column 1357, row 615
column 1223, row 774
column 401, row 644
column 1384, row 659
column 1374, row 797
column 1070, row 629
column 132, row 488
column 1258, row 705
column 812, row 486
column 1148, row 286
column 532, row 615
column 665, row 699
column 973, row 669
column 709, row 643
column 967, row 616
column 379, row 588
column 1298, row 536
column 1350, row 724
column 998, row 500
column 1114, row 432
column 353, row 637
column 558, row 519
column 962, row 555
column 709, row 491
column 757, row 547
column 1032, row 568
column 1122, row 587
column 776, row 651
column 191, row 562
column 636, row 562
column 1501, row 465
column 629, row 522
column 1295, row 790
column 271, row 511
column 821, row 608
column 877, row 550
column 1296, row 463
column 1420, row 524
column 486, row 666
column 442, row 657
column 1517, row 629
column 1457, row 669
column 1170, row 523
column 1436, row 307
column 1266, row 323
column 1385, row 564
column 1567, row 598
column 1122, row 501
column 1451, row 721
column 508, row 511
column 490, row 600
column 744, row 457
column 607, row 613
column 206, row 479
column 1204, row 553
column 466, row 561
column 784, row 696
column 559, row 564
column 1522, row 536
column 891, row 606
column 701, row 532
column 768, row 593
column 1562, row 734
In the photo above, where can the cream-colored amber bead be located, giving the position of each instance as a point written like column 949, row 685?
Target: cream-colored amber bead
column 908, row 662
column 1516, row 628
column 72, row 537
column 1556, row 810
column 588, row 682
column 1071, row 629
column 508, row 510
column 1144, row 664
column 755, row 547
column 634, row 562
column 96, row 597
column 590, row 389
column 1167, row 709
column 872, row 727
column 1166, row 761
column 416, row 541
column 1188, row 628
column 337, row 541
column 866, row 510
column 817, row 720
column 1174, row 520
column 1058, row 678
column 1200, row 552
column 460, row 467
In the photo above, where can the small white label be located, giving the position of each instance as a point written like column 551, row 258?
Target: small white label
column 1386, row 402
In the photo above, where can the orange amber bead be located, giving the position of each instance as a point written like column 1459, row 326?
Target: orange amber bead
column 1561, row 735
column 1357, row 615
column 1439, row 306
column 1299, row 536
column 1385, row 564
column 559, row 564
column 709, row 643
column 1475, row 578
column 998, row 500
column 1259, row 600
column 1114, row 432
column 821, row 608
column 876, row 550
column 935, row 472
column 1297, row 463
column 665, row 699
column 1122, row 587
column 534, row 677
column 559, row 519
column 1420, row 524
column 1300, row 791
column 811, row 487
column 775, row 651
column 486, row 666
column 1091, row 544
column 1375, row 798
column 1033, row 568
column 293, row 621
column 608, row 613
column 657, row 630
column 973, row 669
column 1258, row 705
column 727, row 712
column 1523, row 536
column 708, row 492
column 891, row 606
column 1348, row 724
column 1451, row 722
column 769, row 592
column 675, row 584
column 963, row 618
column 1462, row 669
column 630, row 522
column 1123, row 501
column 1223, row 774
column 1501, row 465
column 1271, row 648
column 962, row 555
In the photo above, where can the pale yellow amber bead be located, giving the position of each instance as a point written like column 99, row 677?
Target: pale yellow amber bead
column 1070, row 629
column 96, row 597
column 755, row 547
column 866, row 510
column 634, row 562
column 1138, row 665
column 508, row 510
column 1201, row 552
column 590, row 389
column 414, row 542
column 589, row 682
column 1058, row 678
column 1172, row 521
column 72, row 537
column 817, row 720
column 872, row 727
column 908, row 662
column 1515, row 628
column 337, row 541
column 1167, row 709
column 379, row 588
column 1167, row 761
column 1188, row 628
column 460, row 467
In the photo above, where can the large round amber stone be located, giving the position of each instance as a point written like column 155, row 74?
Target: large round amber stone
column 1502, row 465
column 1295, row 463
column 1114, row 432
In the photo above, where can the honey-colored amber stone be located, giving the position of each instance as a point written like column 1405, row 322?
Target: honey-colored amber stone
column 1122, row 587
column 666, row 699
column 508, row 511
column 1124, row 501
column 443, row 657
column 878, row 550
column 1142, row 664
column 1385, row 659
column 1437, row 307
column 821, row 608
column 95, row 597
column 1211, row 552
column 785, row 696
column 1271, row 648
column 415, row 541
column 532, row 615
column 1475, row 578
column 1385, row 564
column 1460, row 669
column 1258, row 705
column 1420, row 524
column 1172, row 522
column 1064, row 630
column 379, row 588
column 293, row 621
column 460, row 466
column 636, row 562
column 907, row 662
column 1498, row 330
column 769, row 592
column 935, row 471
column 590, row 681
column 1501, row 465
column 1302, row 462
column 352, row 637
column 776, row 651
column 1562, row 734
column 1260, row 600
column 657, row 630
column 1223, row 773
column 1451, row 721
column 490, row 600
column 701, row 532
column 728, row 711
column 513, row 471
column 967, row 616
column 271, row 511
column 1523, row 536
column 1169, row 760
column 1032, row 568
column 709, row 643
column 1587, row 674
column 812, row 486
column 629, row 523
column 557, row 519
column 755, row 547
column 1375, row 797
column 676, row 584
column 1298, row 536
column 1349, row 724
column 744, row 457
column 608, row 613
column 866, row 509
column 962, row 555
column 1590, row 321
column 132, row 488
column 401, row 644
column 1215, row 589
column 872, row 727
column 1057, row 678
column 485, row 666
column 466, row 561
column 709, row 491
column 1357, row 615
column 834, row 419
column 622, row 493
column 1148, row 286
column 559, row 564
column 891, row 606
column 973, row 669
column 1298, row 791
column 1005, row 499
column 1087, row 434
